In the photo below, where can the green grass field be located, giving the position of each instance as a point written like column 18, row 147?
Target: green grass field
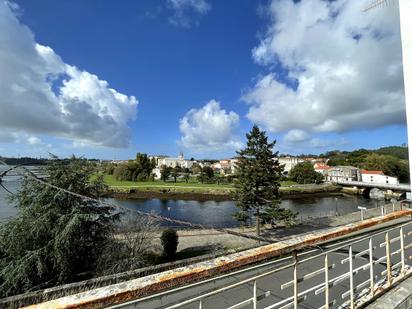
column 111, row 181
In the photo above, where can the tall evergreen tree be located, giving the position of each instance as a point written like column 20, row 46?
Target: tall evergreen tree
column 56, row 237
column 258, row 178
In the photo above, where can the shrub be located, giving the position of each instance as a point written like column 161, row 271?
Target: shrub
column 170, row 240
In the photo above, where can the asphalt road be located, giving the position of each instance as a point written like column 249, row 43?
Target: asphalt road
column 269, row 287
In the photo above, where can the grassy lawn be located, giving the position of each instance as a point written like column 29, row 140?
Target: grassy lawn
column 287, row 183
column 111, row 181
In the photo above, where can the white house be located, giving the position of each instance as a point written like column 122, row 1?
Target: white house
column 173, row 162
column 378, row 177
column 342, row 173
column 321, row 168
column 289, row 163
column 156, row 172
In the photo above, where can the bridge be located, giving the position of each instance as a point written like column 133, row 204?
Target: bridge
column 386, row 186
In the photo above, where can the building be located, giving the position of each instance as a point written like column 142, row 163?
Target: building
column 156, row 172
column 321, row 168
column 378, row 177
column 289, row 163
column 342, row 174
column 173, row 162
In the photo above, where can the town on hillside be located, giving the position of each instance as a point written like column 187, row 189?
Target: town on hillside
column 227, row 167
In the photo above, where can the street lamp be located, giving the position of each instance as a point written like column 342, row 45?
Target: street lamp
column 336, row 207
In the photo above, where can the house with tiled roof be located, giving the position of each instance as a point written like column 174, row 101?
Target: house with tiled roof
column 378, row 177
column 321, row 168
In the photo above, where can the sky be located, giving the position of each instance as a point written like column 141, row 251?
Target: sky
column 107, row 79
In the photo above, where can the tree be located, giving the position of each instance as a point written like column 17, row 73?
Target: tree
column 258, row 177
column 196, row 169
column 56, row 237
column 165, row 172
column 219, row 179
column 169, row 240
column 186, row 174
column 139, row 169
column 390, row 165
column 305, row 173
column 208, row 172
column 130, row 251
column 175, row 172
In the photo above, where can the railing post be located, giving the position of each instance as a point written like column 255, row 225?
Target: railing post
column 326, row 282
column 352, row 296
column 388, row 260
column 402, row 252
column 295, row 280
column 255, row 294
column 200, row 304
column 372, row 279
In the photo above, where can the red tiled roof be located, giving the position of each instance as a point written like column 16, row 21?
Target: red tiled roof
column 321, row 166
column 372, row 172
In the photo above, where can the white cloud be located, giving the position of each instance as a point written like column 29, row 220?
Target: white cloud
column 42, row 94
column 346, row 64
column 295, row 136
column 209, row 128
column 34, row 140
column 299, row 138
column 186, row 12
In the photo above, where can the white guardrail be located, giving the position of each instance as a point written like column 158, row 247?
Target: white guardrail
column 370, row 264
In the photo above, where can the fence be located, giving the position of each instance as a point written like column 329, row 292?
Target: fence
column 344, row 276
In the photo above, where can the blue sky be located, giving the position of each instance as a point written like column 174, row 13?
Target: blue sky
column 194, row 75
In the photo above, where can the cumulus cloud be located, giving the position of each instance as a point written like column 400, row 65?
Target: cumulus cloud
column 343, row 68
column 299, row 138
column 187, row 12
column 209, row 128
column 42, row 94
column 296, row 136
column 34, row 140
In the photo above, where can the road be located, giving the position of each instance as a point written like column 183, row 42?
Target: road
column 269, row 288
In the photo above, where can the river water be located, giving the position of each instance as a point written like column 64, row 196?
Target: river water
column 212, row 212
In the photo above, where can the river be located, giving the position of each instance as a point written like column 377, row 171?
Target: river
column 213, row 212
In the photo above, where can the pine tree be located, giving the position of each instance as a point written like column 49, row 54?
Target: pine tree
column 258, row 178
column 56, row 237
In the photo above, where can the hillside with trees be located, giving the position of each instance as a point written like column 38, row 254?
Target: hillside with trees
column 393, row 160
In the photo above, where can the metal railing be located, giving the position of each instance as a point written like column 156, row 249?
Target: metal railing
column 369, row 264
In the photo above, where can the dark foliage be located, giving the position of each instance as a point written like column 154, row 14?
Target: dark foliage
column 304, row 173
column 258, row 178
column 169, row 240
column 56, row 237
column 139, row 169
column 165, row 172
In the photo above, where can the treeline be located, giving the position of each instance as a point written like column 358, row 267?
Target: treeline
column 139, row 169
column 391, row 160
column 203, row 174
column 24, row 160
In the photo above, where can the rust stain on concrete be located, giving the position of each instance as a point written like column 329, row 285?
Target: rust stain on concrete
column 152, row 284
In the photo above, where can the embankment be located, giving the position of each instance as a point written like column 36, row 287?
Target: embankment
column 216, row 194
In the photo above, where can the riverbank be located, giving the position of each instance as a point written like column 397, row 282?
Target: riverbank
column 195, row 239
column 204, row 193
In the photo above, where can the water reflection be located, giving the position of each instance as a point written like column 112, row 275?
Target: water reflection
column 213, row 212
column 221, row 213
